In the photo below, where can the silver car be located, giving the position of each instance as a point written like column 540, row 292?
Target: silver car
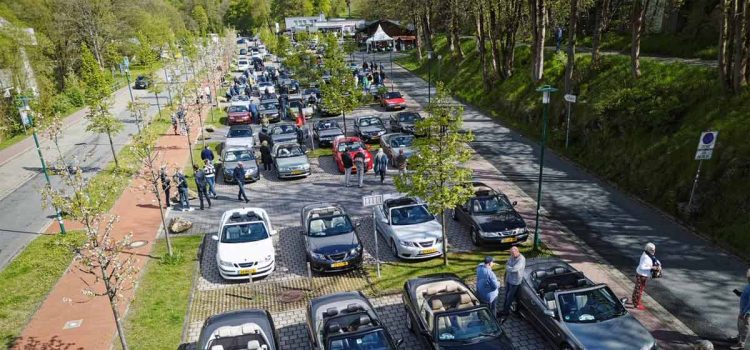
column 393, row 144
column 369, row 128
column 409, row 228
column 231, row 156
column 290, row 160
column 573, row 312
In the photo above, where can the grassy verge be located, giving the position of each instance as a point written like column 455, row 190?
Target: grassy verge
column 639, row 134
column 157, row 313
column 668, row 45
column 394, row 274
column 27, row 280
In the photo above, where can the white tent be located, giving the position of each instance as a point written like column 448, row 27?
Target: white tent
column 379, row 35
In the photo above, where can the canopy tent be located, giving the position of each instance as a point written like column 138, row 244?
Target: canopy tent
column 378, row 36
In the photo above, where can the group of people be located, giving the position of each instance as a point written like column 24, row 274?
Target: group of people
column 205, row 182
column 372, row 74
column 488, row 287
column 359, row 164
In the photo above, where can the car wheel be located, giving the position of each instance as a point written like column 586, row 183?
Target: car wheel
column 409, row 324
column 394, row 248
column 474, row 236
column 565, row 347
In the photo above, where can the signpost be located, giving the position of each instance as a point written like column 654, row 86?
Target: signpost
column 372, row 201
column 569, row 98
column 705, row 150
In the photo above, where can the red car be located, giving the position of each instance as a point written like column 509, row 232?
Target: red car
column 351, row 145
column 392, row 100
column 238, row 115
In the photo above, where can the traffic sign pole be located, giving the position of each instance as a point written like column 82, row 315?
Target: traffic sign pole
column 568, row 100
column 705, row 150
column 695, row 185
column 375, row 234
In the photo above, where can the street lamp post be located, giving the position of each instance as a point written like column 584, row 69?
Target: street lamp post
column 546, row 90
column 390, row 53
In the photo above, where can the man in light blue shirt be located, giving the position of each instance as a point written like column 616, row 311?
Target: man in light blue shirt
column 514, row 269
column 742, row 320
column 487, row 284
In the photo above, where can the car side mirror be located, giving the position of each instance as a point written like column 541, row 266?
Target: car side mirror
column 549, row 313
column 399, row 342
column 358, row 223
column 623, row 301
column 215, row 237
column 305, row 150
column 274, row 232
column 514, row 203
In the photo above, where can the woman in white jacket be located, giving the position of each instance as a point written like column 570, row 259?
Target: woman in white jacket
column 647, row 266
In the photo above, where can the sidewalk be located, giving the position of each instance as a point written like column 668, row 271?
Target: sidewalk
column 68, row 319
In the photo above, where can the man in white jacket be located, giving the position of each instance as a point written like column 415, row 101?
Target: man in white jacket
column 646, row 267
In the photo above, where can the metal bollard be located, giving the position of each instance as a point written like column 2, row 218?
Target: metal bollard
column 309, row 277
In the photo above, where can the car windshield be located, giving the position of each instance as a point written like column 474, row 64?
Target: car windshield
column 140, row 78
column 266, row 106
column 240, row 98
column 588, row 306
column 393, row 95
column 289, row 151
column 330, row 226
column 295, row 104
column 410, row 215
column 490, row 205
column 401, row 141
column 282, row 129
column 238, row 342
column 375, row 340
column 242, row 63
column 240, row 133
column 466, row 325
column 239, row 155
column 370, row 122
column 350, row 146
column 327, row 125
column 237, row 108
column 243, row 233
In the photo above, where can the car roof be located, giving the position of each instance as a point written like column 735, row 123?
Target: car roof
column 333, row 305
column 322, row 209
column 259, row 317
column 237, row 148
column 240, row 126
column 401, row 201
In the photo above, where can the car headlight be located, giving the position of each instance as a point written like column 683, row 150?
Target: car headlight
column 439, row 240
column 306, row 166
column 406, row 243
column 284, row 169
column 269, row 257
column 318, row 256
column 381, row 132
column 354, row 251
column 225, row 263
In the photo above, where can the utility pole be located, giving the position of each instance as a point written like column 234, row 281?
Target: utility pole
column 545, row 90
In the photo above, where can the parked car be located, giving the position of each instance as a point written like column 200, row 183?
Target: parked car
column 331, row 242
column 404, row 122
column 369, row 128
column 239, row 136
column 270, row 110
column 238, row 114
column 326, row 130
column 290, row 160
column 267, row 86
column 393, row 144
column 409, row 228
column 238, row 330
column 346, row 320
column 351, row 145
column 240, row 100
column 447, row 315
column 574, row 313
column 231, row 156
column 392, row 100
column 297, row 105
column 279, row 133
column 141, row 82
column 491, row 217
column 242, row 65
column 244, row 246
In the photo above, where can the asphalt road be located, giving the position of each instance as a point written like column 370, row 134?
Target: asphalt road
column 698, row 277
column 22, row 217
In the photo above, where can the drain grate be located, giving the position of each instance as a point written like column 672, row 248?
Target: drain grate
column 291, row 296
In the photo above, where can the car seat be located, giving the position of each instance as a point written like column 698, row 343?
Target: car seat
column 338, row 221
column 317, row 227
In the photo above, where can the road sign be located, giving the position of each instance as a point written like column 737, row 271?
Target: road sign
column 570, row 98
column 372, row 200
column 706, row 145
column 126, row 62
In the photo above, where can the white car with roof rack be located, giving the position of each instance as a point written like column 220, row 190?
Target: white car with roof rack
column 244, row 244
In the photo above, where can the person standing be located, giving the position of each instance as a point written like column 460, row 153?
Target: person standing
column 265, row 156
column 346, row 160
column 514, row 269
column 381, row 164
column 200, row 184
column 239, row 175
column 359, row 162
column 182, row 189
column 401, row 162
column 742, row 320
column 382, row 77
column 165, row 185
column 174, row 123
column 207, row 155
column 210, row 172
column 487, row 284
column 648, row 267
column 558, row 37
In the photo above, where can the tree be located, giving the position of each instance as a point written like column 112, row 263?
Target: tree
column 456, row 8
column 103, row 122
column 88, row 21
column 341, row 92
column 734, row 44
column 572, row 21
column 511, row 15
column 240, row 15
column 481, row 43
column 637, row 26
column 146, row 55
column 538, row 11
column 155, row 88
column 200, row 16
column 438, row 172
column 600, row 22
column 138, row 110
column 97, row 84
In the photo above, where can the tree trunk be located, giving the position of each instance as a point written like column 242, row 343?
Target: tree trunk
column 155, row 183
column 493, row 41
column 418, row 34
column 481, row 46
column 112, row 147
column 111, row 295
column 601, row 13
column 538, row 12
column 426, row 29
column 513, row 14
column 445, row 239
column 637, row 27
column 739, row 59
column 455, row 38
column 158, row 107
column 573, row 18
column 723, row 59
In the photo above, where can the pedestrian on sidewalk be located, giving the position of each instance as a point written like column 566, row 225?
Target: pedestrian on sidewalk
column 742, row 320
column 239, row 175
column 558, row 37
column 200, row 184
column 207, row 155
column 381, row 164
column 648, row 267
column 174, row 123
column 487, row 285
column 382, row 77
column 401, row 162
column 514, row 270
column 165, row 185
column 265, row 156
column 359, row 162
column 346, row 159
column 210, row 172
column 182, row 189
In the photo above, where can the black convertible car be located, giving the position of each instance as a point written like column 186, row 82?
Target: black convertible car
column 331, row 243
column 346, row 320
column 445, row 312
column 491, row 217
column 251, row 329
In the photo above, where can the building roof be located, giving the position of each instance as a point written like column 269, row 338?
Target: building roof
column 392, row 29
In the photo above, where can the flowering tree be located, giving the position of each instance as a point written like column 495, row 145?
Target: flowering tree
column 138, row 110
column 102, row 121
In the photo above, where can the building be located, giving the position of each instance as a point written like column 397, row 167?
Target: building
column 297, row 24
column 342, row 26
column 384, row 34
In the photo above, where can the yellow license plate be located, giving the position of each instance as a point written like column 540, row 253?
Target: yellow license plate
column 340, row 264
column 508, row 240
column 428, row 251
column 297, row 172
column 247, row 271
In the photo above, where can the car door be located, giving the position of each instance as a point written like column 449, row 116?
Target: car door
column 381, row 222
column 536, row 307
column 463, row 213
column 394, row 123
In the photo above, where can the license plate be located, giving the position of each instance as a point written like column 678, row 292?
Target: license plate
column 340, row 264
column 508, row 240
column 428, row 251
column 296, row 172
column 247, row 271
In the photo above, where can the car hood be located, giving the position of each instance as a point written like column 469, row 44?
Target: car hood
column 330, row 132
column 239, row 141
column 498, row 222
column 333, row 244
column 245, row 252
column 408, row 151
column 424, row 231
column 292, row 161
column 369, row 129
column 616, row 334
column 398, row 100
column 238, row 114
column 247, row 164
column 283, row 137
column 268, row 111
column 500, row 343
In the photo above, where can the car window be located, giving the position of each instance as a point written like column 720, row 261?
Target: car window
column 243, row 233
column 240, row 133
column 237, row 108
column 393, row 95
column 282, row 129
column 466, row 325
column 268, row 106
column 239, row 155
column 490, row 205
column 401, row 141
column 410, row 215
column 327, row 125
column 375, row 340
column 289, row 151
column 589, row 306
column 408, row 117
column 329, row 226
column 370, row 122
column 242, row 62
column 350, row 146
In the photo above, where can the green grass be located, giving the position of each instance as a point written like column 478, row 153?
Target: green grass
column 27, row 280
column 157, row 313
column 5, row 143
column 640, row 134
column 394, row 274
column 667, row 45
